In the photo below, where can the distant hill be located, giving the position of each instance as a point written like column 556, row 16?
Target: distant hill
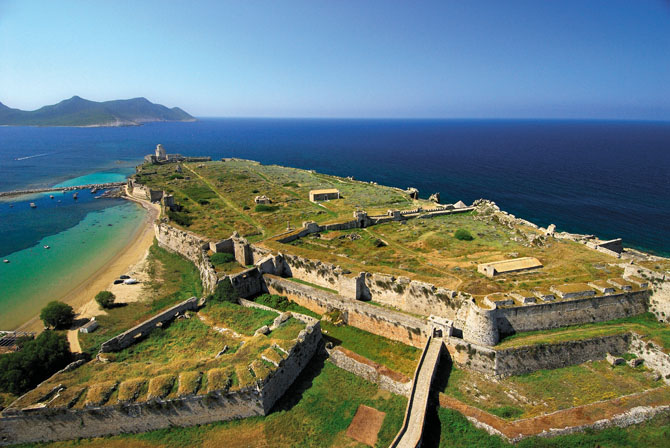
column 77, row 111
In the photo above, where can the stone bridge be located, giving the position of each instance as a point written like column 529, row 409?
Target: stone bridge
column 411, row 433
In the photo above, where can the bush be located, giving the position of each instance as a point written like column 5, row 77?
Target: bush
column 224, row 292
column 220, row 258
column 275, row 301
column 57, row 315
column 266, row 208
column 36, row 361
column 180, row 218
column 176, row 176
column 105, row 299
column 463, row 235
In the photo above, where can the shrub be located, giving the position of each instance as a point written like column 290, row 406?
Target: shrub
column 266, row 208
column 57, row 315
column 105, row 299
column 180, row 218
column 224, row 292
column 275, row 301
column 220, row 258
column 176, row 176
column 36, row 361
column 463, row 235
column 254, row 191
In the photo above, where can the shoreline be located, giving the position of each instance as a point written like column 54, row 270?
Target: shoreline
column 131, row 254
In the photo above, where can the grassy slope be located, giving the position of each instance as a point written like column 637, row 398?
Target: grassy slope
column 174, row 279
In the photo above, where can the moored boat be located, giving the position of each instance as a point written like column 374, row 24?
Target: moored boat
column 32, row 205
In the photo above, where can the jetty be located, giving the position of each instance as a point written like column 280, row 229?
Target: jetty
column 48, row 189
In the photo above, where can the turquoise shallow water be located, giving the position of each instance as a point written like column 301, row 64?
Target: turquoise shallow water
column 93, row 178
column 36, row 275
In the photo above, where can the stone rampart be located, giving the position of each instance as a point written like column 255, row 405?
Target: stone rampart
column 401, row 327
column 542, row 316
column 52, row 424
column 520, row 360
column 654, row 357
column 370, row 371
column 247, row 283
column 129, row 337
column 190, row 246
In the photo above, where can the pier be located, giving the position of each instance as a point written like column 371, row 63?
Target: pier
column 49, row 189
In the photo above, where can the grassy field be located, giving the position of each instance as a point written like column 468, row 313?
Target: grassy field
column 644, row 324
column 394, row 355
column 309, row 415
column 173, row 280
column 219, row 197
column 546, row 391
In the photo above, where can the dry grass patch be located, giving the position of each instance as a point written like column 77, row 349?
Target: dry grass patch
column 130, row 390
column 219, row 379
column 160, row 386
column 98, row 394
column 189, row 383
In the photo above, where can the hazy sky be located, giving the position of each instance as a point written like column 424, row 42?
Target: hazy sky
column 345, row 58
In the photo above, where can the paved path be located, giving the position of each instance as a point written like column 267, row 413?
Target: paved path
column 412, row 430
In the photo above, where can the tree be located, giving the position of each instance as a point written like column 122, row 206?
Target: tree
column 105, row 299
column 463, row 235
column 224, row 292
column 36, row 361
column 57, row 315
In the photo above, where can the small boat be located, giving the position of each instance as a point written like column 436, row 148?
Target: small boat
column 5, row 261
column 51, row 196
column 11, row 205
column 74, row 196
column 130, row 281
column 32, row 205
column 94, row 190
column 124, row 277
column 47, row 247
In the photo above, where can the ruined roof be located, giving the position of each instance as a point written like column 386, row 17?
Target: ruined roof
column 619, row 282
column 515, row 264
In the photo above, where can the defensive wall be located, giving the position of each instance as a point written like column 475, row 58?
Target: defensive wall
column 43, row 424
column 190, row 246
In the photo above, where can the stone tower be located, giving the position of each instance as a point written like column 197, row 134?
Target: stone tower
column 160, row 152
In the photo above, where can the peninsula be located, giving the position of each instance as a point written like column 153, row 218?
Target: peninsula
column 270, row 287
column 78, row 111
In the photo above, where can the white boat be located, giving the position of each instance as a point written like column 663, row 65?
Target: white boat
column 47, row 247
column 74, row 196
column 5, row 261
column 51, row 196
column 32, row 205
column 130, row 281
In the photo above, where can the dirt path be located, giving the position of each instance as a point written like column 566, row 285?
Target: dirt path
column 73, row 339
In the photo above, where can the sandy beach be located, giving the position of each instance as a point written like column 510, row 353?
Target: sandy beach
column 134, row 253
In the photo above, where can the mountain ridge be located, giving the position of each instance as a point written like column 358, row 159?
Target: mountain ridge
column 77, row 111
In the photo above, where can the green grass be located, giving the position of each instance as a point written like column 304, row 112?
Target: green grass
column 174, row 279
column 644, row 324
column 394, row 355
column 303, row 282
column 238, row 318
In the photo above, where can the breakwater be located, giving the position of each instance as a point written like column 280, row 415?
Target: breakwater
column 49, row 189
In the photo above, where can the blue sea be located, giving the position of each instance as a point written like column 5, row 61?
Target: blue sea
column 608, row 178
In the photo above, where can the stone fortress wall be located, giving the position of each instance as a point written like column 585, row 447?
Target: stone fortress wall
column 42, row 424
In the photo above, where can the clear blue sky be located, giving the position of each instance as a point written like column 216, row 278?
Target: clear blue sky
column 466, row 58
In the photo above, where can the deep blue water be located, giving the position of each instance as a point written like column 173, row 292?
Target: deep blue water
column 611, row 179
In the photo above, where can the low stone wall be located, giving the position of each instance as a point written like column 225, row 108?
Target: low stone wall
column 401, row 327
column 520, row 360
column 191, row 247
column 247, row 283
column 129, row 337
column 654, row 357
column 370, row 371
column 471, row 356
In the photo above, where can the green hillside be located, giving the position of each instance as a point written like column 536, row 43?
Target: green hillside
column 77, row 111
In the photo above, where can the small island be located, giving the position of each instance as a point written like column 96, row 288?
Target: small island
column 78, row 111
